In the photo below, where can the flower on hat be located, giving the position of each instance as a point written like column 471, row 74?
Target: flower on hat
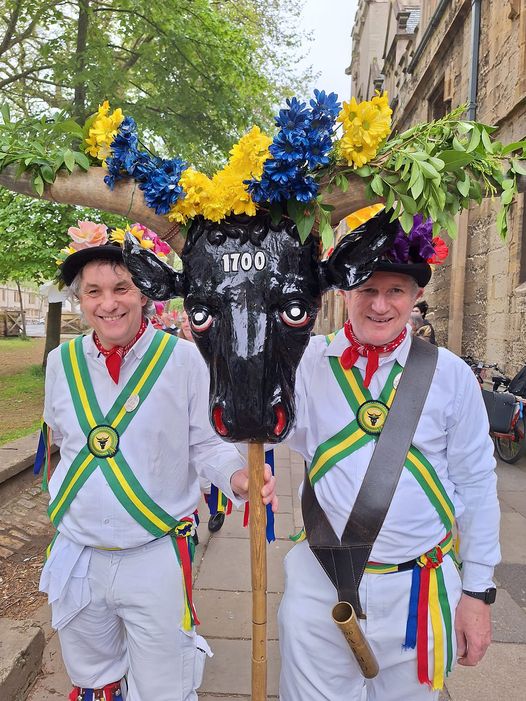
column 88, row 234
column 145, row 237
column 419, row 245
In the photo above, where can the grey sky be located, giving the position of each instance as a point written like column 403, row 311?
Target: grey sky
column 330, row 22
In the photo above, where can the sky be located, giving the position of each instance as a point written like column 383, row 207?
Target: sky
column 329, row 53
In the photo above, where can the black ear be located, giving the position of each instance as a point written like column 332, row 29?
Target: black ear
column 154, row 278
column 354, row 258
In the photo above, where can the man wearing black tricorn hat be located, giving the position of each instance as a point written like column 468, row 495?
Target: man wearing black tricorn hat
column 126, row 406
column 380, row 530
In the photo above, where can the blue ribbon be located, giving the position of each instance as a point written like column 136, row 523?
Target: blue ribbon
column 410, row 631
column 269, row 531
column 41, row 452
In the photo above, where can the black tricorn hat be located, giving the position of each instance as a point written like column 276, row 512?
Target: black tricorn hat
column 421, row 272
column 415, row 266
column 76, row 261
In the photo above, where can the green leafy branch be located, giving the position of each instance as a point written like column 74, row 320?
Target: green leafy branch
column 40, row 147
column 438, row 169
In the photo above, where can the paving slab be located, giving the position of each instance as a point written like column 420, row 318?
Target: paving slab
column 228, row 614
column 226, row 565
column 228, row 672
column 513, row 579
column 514, row 501
column 233, row 526
column 513, row 538
column 500, row 675
column 21, row 648
column 511, row 478
column 508, row 619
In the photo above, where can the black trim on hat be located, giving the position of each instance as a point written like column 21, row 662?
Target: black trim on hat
column 421, row 272
column 76, row 261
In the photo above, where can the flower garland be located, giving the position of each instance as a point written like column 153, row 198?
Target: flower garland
column 260, row 171
column 89, row 234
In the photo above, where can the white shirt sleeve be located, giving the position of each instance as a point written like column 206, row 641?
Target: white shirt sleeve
column 209, row 455
column 471, row 468
column 52, row 367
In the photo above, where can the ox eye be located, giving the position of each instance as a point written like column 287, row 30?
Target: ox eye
column 294, row 314
column 200, row 319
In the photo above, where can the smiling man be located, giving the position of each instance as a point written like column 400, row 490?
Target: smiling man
column 128, row 407
column 379, row 525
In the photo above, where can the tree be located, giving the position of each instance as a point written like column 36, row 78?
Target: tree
column 197, row 73
column 32, row 232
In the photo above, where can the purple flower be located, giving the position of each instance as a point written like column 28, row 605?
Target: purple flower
column 416, row 246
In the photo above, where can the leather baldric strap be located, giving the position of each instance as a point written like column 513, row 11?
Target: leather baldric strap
column 344, row 561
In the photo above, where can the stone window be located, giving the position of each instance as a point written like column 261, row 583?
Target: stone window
column 438, row 105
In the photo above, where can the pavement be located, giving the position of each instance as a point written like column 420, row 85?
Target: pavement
column 223, row 599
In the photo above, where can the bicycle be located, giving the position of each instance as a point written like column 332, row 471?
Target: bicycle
column 505, row 410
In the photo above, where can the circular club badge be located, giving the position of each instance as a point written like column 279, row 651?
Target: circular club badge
column 371, row 416
column 103, row 441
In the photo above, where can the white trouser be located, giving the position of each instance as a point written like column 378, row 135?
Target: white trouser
column 316, row 662
column 132, row 626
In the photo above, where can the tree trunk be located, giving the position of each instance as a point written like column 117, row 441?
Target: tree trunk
column 22, row 312
column 54, row 320
column 79, row 99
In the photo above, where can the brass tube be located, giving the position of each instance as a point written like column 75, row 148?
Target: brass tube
column 345, row 618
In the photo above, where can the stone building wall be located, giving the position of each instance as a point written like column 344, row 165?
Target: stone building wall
column 432, row 73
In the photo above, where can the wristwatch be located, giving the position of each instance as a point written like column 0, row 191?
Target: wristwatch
column 488, row 596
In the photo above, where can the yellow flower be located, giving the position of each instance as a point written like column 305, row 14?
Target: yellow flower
column 365, row 126
column 225, row 193
column 359, row 217
column 117, row 236
column 102, row 131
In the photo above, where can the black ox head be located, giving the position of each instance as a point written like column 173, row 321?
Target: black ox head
column 252, row 291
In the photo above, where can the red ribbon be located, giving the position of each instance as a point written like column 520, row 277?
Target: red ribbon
column 115, row 355
column 356, row 349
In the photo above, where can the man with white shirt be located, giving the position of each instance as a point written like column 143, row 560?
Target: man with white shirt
column 417, row 613
column 129, row 409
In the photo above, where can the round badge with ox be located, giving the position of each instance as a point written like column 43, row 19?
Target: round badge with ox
column 371, row 416
column 103, row 441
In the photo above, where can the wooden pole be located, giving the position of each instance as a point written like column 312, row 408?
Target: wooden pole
column 258, row 564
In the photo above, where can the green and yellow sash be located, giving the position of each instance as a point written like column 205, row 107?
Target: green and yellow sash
column 103, row 434
column 369, row 419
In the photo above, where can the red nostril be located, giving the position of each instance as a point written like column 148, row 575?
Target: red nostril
column 217, row 418
column 281, row 420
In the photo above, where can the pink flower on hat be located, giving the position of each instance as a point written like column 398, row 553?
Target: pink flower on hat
column 88, row 234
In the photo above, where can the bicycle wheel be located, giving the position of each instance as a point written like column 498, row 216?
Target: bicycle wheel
column 510, row 450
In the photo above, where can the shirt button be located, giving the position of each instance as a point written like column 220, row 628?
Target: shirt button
column 106, row 520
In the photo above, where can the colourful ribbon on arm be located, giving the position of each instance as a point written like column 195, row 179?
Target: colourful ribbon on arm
column 43, row 455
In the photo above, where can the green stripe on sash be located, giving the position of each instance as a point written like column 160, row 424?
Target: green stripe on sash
column 128, row 490
column 116, row 470
column 351, row 438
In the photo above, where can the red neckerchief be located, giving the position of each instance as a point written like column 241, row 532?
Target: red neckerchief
column 115, row 355
column 350, row 355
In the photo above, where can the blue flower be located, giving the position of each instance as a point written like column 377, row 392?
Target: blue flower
column 162, row 189
column 325, row 109
column 289, row 146
column 304, row 189
column 144, row 165
column 295, row 117
column 317, row 149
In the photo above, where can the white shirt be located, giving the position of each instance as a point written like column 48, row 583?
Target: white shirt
column 453, row 434
column 167, row 443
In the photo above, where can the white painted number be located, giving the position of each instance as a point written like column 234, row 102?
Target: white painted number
column 232, row 261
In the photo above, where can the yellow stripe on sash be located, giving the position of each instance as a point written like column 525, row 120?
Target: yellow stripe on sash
column 80, row 385
column 349, row 376
column 145, row 376
column 133, row 497
column 432, row 486
column 438, row 637
column 334, row 451
column 70, row 486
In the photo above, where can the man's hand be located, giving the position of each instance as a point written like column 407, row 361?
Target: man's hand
column 239, row 484
column 473, row 630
